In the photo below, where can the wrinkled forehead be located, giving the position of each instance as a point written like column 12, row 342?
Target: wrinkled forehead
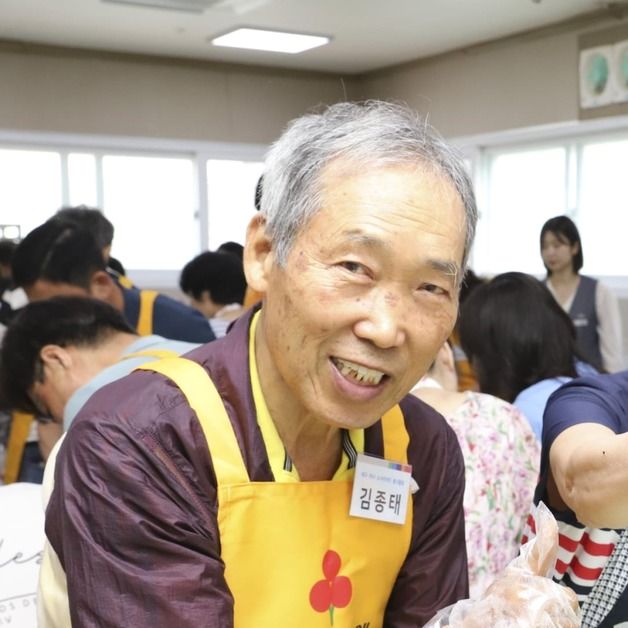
column 346, row 167
column 418, row 176
column 389, row 207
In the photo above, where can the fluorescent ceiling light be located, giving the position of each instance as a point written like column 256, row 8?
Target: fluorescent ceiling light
column 274, row 41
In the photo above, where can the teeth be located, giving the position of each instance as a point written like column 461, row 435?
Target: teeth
column 358, row 372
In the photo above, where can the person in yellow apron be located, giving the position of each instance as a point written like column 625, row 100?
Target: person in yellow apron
column 60, row 258
column 62, row 350
column 259, row 481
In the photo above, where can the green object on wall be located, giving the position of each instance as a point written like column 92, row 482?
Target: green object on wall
column 597, row 73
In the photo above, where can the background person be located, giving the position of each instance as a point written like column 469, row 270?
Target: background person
column 520, row 342
column 233, row 248
column 467, row 379
column 584, row 480
column 501, row 459
column 593, row 308
column 55, row 356
column 61, row 258
column 215, row 284
column 101, row 228
column 11, row 300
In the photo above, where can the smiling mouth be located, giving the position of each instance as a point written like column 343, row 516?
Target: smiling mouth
column 358, row 373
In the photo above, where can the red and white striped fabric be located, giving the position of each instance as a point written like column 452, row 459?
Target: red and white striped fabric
column 582, row 554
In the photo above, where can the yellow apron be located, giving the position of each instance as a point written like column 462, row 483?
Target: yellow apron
column 124, row 281
column 293, row 556
column 145, row 318
column 20, row 429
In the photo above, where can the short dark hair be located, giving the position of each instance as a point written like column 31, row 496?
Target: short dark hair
column 221, row 274
column 58, row 251
column 7, row 249
column 515, row 334
column 116, row 265
column 234, row 248
column 470, row 281
column 90, row 219
column 564, row 228
column 65, row 321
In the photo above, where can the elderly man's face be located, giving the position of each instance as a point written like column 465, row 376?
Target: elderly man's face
column 366, row 298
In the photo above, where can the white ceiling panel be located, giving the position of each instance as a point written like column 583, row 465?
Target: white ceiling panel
column 366, row 34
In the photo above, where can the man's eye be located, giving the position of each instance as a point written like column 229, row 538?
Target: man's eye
column 433, row 289
column 353, row 267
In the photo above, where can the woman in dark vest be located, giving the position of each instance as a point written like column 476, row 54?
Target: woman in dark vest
column 592, row 307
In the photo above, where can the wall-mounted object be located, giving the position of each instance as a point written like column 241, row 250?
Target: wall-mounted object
column 597, row 86
column 603, row 73
column 620, row 71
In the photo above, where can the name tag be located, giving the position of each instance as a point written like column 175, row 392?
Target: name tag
column 381, row 489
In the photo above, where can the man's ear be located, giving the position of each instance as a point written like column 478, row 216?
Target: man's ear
column 258, row 254
column 101, row 286
column 54, row 356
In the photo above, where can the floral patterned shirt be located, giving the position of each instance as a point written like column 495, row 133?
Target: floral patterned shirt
column 501, row 457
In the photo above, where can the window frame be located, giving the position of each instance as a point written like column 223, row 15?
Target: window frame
column 101, row 145
column 573, row 136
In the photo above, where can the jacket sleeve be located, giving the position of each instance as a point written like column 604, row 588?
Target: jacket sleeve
column 434, row 574
column 135, row 528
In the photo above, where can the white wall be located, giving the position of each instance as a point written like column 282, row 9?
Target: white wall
column 522, row 81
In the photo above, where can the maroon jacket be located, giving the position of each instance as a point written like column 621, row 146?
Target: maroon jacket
column 133, row 513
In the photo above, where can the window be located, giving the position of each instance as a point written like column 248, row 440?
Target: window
column 526, row 187
column 603, row 211
column 231, row 198
column 521, row 187
column 30, row 187
column 157, row 197
column 153, row 205
column 82, row 179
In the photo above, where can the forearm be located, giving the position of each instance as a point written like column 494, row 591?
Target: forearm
column 595, row 481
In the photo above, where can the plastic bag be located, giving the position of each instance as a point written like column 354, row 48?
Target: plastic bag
column 523, row 595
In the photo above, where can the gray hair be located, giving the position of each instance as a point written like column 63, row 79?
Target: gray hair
column 372, row 133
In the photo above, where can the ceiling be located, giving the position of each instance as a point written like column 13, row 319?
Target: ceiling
column 366, row 34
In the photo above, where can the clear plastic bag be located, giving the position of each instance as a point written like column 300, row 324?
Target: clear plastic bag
column 523, row 595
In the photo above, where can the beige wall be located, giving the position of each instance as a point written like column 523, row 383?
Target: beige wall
column 527, row 80
column 69, row 91
column 523, row 81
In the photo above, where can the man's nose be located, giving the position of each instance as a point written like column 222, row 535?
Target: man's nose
column 383, row 321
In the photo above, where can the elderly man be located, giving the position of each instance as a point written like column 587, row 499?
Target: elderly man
column 222, row 489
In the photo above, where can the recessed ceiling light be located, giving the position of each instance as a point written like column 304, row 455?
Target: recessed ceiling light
column 274, row 41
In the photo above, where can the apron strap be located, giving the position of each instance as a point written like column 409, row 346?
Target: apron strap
column 145, row 318
column 124, row 281
column 395, row 435
column 200, row 392
column 20, row 428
